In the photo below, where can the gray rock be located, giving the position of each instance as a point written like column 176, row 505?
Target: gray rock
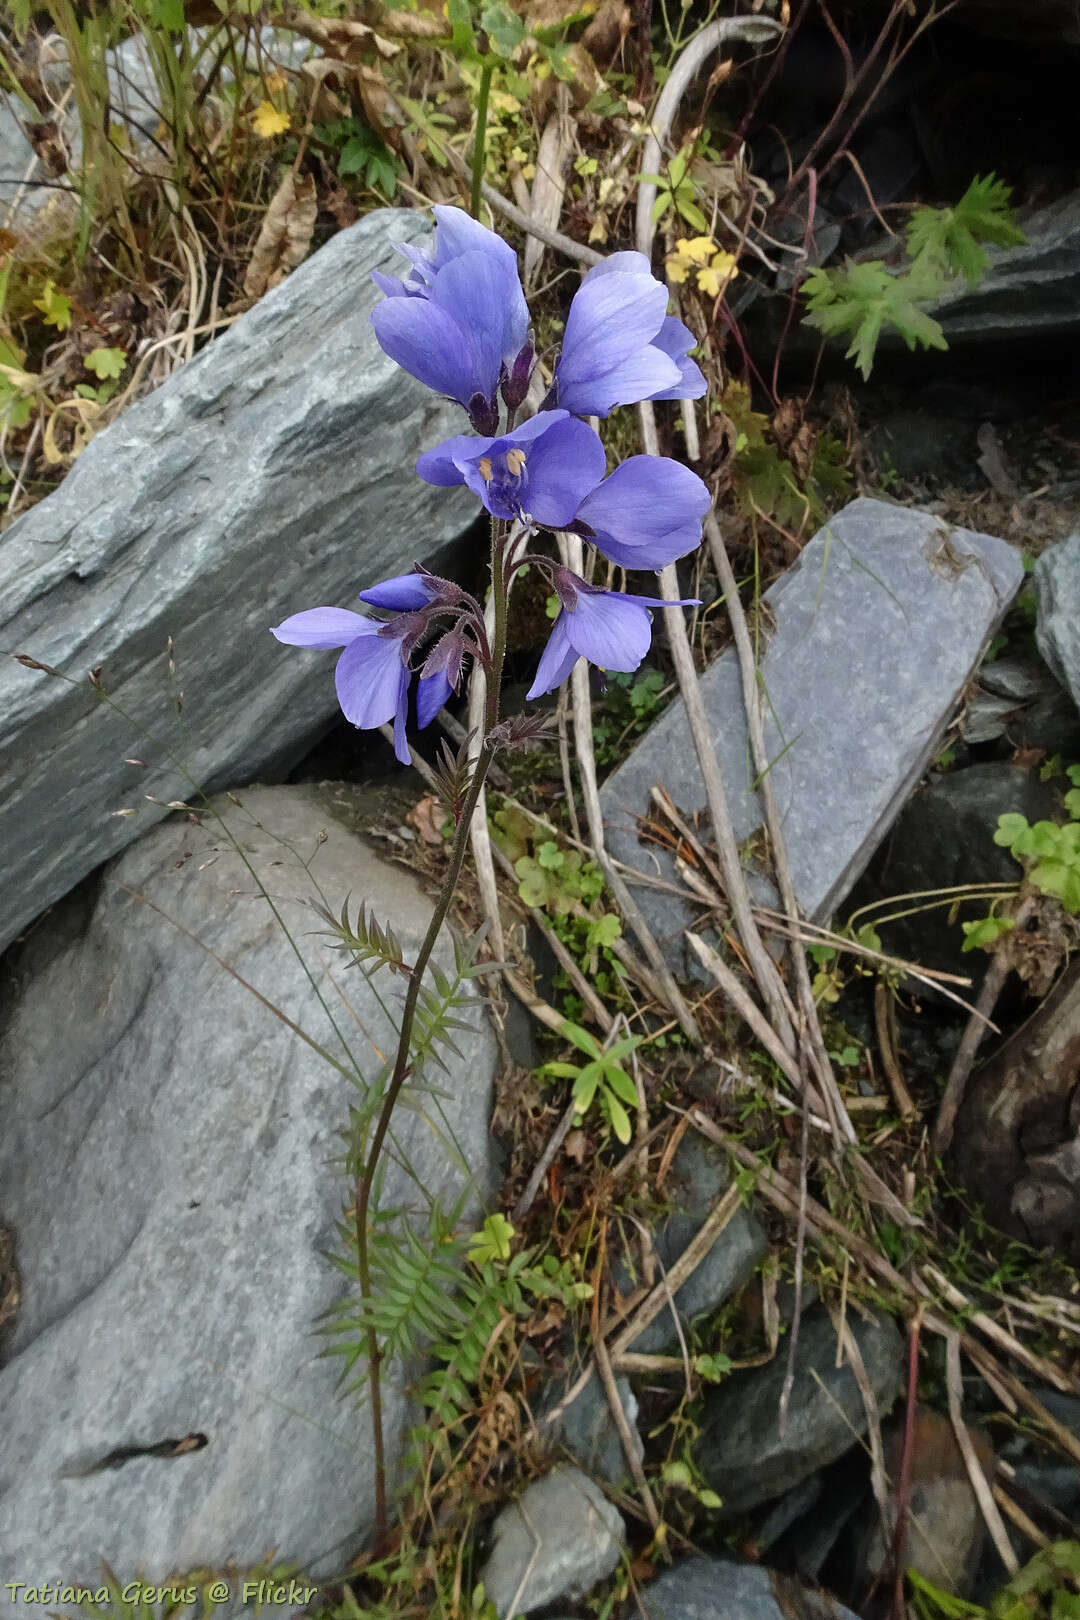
column 272, row 473
column 699, row 1176
column 169, row 1164
column 878, row 626
column 559, row 1538
column 1027, row 291
column 587, row 1429
column 713, row 1589
column 740, row 1450
column 1057, row 585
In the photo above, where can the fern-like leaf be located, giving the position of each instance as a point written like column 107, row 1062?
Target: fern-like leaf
column 946, row 241
column 863, row 299
column 453, row 777
column 365, row 939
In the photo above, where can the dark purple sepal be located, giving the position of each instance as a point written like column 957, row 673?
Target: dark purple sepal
column 484, row 416
column 515, row 384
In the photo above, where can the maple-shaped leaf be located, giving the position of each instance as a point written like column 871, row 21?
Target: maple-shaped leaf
column 55, row 307
column 105, row 362
column 946, row 240
column 864, row 299
column 268, row 121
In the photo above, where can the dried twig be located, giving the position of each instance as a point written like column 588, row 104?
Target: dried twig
column 979, row 1483
column 964, row 1061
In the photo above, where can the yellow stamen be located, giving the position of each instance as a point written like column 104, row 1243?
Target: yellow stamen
column 485, row 469
column 515, row 460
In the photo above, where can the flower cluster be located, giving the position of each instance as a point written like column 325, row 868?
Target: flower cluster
column 458, row 322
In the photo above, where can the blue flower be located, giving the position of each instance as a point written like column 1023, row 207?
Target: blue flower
column 620, row 345
column 549, row 472
column 458, row 322
column 609, row 629
column 539, row 473
column 372, row 675
column 646, row 514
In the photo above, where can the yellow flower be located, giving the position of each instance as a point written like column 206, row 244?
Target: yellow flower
column 677, row 268
column 268, row 121
column 697, row 249
column 713, row 278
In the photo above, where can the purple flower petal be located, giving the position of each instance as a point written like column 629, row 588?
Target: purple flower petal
column 428, row 343
column 432, row 692
column 611, row 315
column 391, row 285
column 647, row 513
column 676, row 340
column 444, row 464
column 625, row 263
column 646, row 373
column 556, row 661
column 369, row 680
column 323, row 627
column 610, row 630
column 473, row 290
column 402, row 594
column 562, row 466
column 401, row 746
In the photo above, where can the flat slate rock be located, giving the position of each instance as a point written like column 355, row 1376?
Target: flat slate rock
column 1057, row 584
column 560, row 1537
column 740, row 1449
column 170, row 1165
column 274, row 472
column 714, row 1589
column 877, row 629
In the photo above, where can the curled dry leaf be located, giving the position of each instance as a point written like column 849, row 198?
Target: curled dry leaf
column 285, row 236
column 427, row 816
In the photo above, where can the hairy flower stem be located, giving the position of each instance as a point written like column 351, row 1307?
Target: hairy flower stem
column 402, row 1068
column 480, row 143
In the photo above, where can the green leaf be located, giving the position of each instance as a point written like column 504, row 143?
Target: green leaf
column 1011, row 826
column 534, row 885
column 168, row 14
column 677, row 1473
column 55, row 307
column 550, row 856
column 621, row 1084
column 462, row 38
column 946, row 240
column 505, row 30
column 863, row 299
column 713, row 1367
column 984, row 933
column 607, row 929
column 106, row 362
column 581, row 1039
column 585, row 1087
column 492, row 1242
column 618, row 1118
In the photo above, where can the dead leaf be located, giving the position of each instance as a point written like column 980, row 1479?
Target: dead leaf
column 344, row 34
column 576, row 1146
column 285, row 236
column 427, row 816
column 992, row 461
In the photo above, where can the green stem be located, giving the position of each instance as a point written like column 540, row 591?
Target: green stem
column 402, row 1068
column 481, row 136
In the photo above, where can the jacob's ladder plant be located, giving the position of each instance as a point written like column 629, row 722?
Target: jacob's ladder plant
column 458, row 322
